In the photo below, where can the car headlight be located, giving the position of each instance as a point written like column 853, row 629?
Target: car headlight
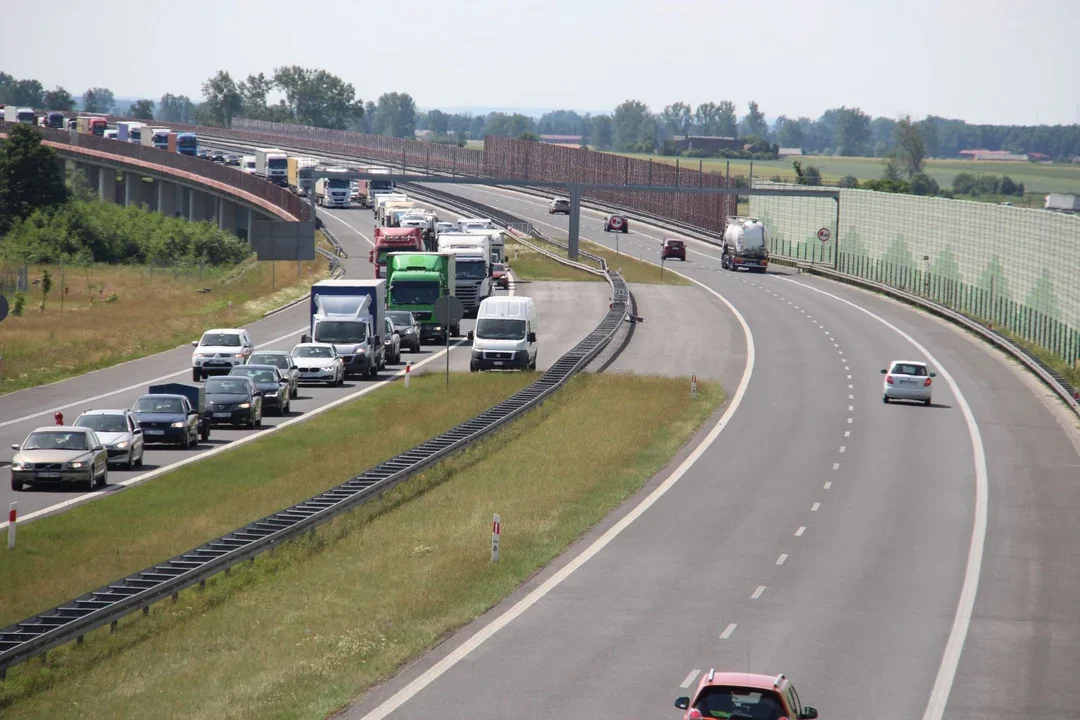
column 360, row 351
column 120, row 445
column 178, row 424
column 410, row 331
column 76, row 465
column 244, row 406
column 22, row 466
column 272, row 393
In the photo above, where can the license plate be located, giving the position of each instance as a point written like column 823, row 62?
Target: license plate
column 48, row 475
column 154, row 432
column 498, row 362
column 222, row 415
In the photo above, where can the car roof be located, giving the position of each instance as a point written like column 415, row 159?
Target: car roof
column 61, row 428
column 742, row 679
column 103, row 412
column 314, row 344
column 907, row 362
column 255, row 366
column 223, row 330
column 270, row 352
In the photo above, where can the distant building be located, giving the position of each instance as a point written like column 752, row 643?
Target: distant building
column 1039, row 157
column 788, row 152
column 993, row 156
column 424, row 134
column 561, row 139
column 705, row 143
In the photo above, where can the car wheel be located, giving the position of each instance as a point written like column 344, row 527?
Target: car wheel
column 926, row 402
column 332, row 383
column 532, row 365
column 16, row 485
column 472, row 367
column 196, row 376
column 373, row 371
column 258, row 419
column 885, row 399
column 131, row 460
column 104, row 479
column 142, row 454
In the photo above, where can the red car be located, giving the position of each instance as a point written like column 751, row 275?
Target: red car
column 500, row 275
column 673, row 249
column 745, row 695
column 617, row 223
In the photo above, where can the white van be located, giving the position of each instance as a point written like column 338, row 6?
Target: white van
column 505, row 335
column 475, row 223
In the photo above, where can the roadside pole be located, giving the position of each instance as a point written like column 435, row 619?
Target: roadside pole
column 496, row 531
column 13, row 513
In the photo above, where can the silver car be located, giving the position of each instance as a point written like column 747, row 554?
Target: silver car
column 284, row 362
column 907, row 380
column 119, row 432
column 60, row 454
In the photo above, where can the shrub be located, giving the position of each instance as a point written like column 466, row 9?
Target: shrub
column 20, row 304
column 963, row 183
column 923, row 184
column 849, row 181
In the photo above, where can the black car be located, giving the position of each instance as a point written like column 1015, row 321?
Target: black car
column 232, row 400
column 203, row 153
column 271, row 382
column 217, row 156
column 407, row 327
column 232, row 160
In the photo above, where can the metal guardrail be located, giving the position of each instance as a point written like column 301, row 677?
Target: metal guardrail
column 278, row 196
column 106, row 605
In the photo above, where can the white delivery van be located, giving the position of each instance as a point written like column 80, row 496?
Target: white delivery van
column 505, row 335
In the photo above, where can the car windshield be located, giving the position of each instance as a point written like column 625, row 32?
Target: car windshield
column 414, row 293
column 220, row 340
column 500, row 329
column 909, row 369
column 470, row 270
column 280, row 361
column 103, row 423
column 739, row 702
column 498, row 267
column 313, row 352
column 151, row 404
column 256, row 374
column 56, row 441
column 330, row 331
column 400, row 317
column 276, row 164
column 225, row 386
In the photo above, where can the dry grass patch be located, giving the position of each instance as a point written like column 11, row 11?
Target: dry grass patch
column 529, row 265
column 114, row 313
column 306, row 628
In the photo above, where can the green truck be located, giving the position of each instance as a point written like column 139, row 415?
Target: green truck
column 414, row 281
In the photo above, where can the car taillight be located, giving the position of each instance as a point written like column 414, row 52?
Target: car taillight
column 888, row 379
column 927, row 383
column 694, row 715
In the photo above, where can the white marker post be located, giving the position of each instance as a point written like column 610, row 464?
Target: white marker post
column 693, row 385
column 13, row 512
column 408, row 372
column 496, row 530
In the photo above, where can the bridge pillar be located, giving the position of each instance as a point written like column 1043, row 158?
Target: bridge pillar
column 194, row 205
column 132, row 189
column 575, row 221
column 227, row 215
column 107, row 184
column 166, row 198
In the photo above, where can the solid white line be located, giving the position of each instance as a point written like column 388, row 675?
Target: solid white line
column 727, row 631
column 757, row 593
column 815, row 507
column 828, row 485
column 455, row 656
column 144, row 383
column 800, row 531
column 689, row 679
column 782, row 559
column 950, row 657
column 221, row 448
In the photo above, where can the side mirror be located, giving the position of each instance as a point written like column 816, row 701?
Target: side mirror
column 305, row 338
column 883, row 371
column 808, row 713
column 99, row 448
column 194, row 343
column 470, row 336
column 531, row 337
column 15, row 447
column 933, row 374
column 257, row 393
column 137, row 431
column 682, row 703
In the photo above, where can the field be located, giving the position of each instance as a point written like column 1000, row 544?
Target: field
column 1038, row 178
column 304, row 629
column 100, row 315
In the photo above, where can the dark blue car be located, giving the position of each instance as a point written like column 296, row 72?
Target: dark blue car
column 168, row 419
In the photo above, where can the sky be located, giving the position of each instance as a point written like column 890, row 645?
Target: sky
column 984, row 61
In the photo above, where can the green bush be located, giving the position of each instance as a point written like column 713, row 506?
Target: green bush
column 94, row 231
column 20, row 304
column 849, row 181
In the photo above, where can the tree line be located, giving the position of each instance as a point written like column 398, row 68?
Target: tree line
column 316, row 97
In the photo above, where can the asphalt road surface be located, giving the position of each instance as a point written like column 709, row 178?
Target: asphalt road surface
column 822, row 533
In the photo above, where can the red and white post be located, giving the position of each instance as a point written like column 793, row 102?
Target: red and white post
column 693, row 385
column 13, row 513
column 408, row 372
column 496, row 531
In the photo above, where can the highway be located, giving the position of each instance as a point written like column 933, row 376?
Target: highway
column 857, row 547
column 563, row 325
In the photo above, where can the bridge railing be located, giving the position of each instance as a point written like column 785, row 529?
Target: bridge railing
column 258, row 187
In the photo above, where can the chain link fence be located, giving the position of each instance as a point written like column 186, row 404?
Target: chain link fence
column 1014, row 268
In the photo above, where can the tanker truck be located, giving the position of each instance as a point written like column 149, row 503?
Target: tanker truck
column 746, row 245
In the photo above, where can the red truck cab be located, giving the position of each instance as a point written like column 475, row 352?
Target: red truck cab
column 391, row 239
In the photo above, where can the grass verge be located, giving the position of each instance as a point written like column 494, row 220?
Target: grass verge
column 106, row 318
column 527, row 264
column 59, row 557
column 304, row 629
column 628, row 262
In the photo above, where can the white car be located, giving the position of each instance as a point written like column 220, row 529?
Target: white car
column 119, row 432
column 907, row 380
column 319, row 362
column 218, row 351
column 441, row 227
